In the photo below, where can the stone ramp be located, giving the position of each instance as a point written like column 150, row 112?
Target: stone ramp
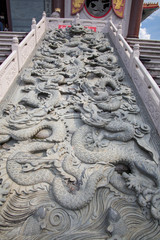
column 149, row 55
column 76, row 157
column 6, row 42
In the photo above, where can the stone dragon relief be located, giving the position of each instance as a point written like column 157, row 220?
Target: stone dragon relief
column 77, row 161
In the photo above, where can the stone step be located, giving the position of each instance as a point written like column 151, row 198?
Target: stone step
column 5, row 49
column 5, row 46
column 8, row 36
column 3, row 55
column 143, row 41
column 149, row 57
column 148, row 47
column 157, row 80
column 149, row 52
column 145, row 45
column 6, row 40
column 9, row 40
column 3, row 58
column 10, row 33
column 153, row 73
column 153, row 69
column 151, row 64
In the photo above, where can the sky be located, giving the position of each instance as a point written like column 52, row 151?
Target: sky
column 150, row 28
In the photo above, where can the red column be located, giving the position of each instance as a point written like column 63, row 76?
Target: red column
column 58, row 4
column 135, row 18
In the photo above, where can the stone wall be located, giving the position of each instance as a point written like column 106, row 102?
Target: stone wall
column 115, row 19
column 23, row 11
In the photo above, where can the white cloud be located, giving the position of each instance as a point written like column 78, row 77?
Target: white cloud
column 143, row 34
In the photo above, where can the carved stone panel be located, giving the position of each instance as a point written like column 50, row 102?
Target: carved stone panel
column 98, row 8
column 76, row 158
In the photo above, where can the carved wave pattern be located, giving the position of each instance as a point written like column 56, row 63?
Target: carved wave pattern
column 58, row 223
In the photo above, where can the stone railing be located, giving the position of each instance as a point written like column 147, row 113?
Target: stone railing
column 145, row 84
column 8, row 72
column 11, row 67
column 53, row 23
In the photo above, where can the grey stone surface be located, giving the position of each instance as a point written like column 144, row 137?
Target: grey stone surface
column 77, row 158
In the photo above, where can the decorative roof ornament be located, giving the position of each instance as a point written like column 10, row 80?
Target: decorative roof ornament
column 118, row 7
column 148, row 9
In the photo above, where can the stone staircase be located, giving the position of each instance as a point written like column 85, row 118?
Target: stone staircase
column 6, row 43
column 149, row 56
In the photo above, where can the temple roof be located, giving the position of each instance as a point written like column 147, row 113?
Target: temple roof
column 148, row 9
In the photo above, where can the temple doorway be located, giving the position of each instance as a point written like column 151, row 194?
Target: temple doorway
column 5, row 14
column 58, row 4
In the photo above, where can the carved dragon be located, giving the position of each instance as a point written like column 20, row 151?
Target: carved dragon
column 111, row 153
column 144, row 179
column 147, row 188
column 76, row 129
column 22, row 125
column 25, row 169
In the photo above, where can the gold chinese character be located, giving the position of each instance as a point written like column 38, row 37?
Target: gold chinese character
column 78, row 3
column 118, row 4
